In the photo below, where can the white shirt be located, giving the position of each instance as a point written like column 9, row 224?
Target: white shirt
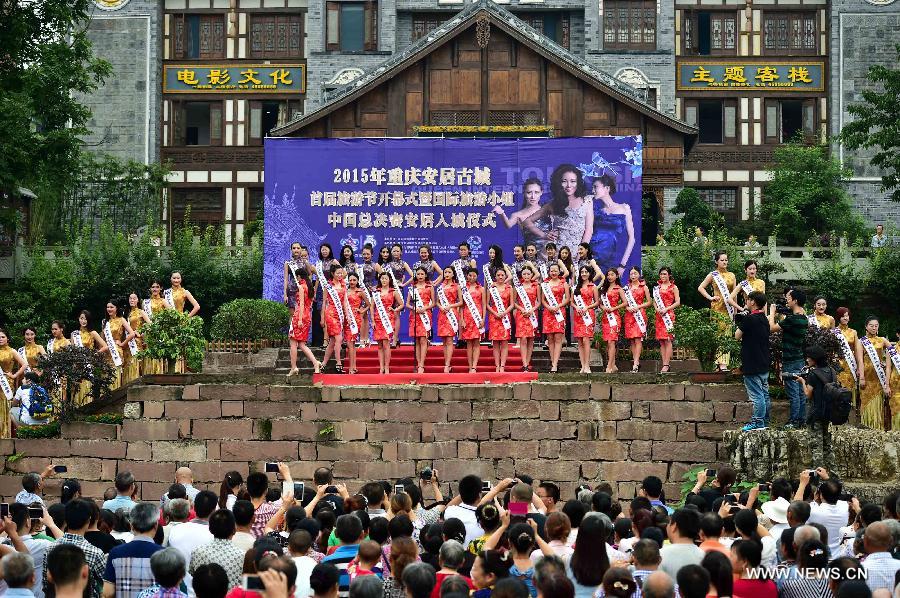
column 186, row 537
column 305, row 565
column 833, row 517
column 243, row 540
column 880, row 569
column 38, row 550
column 23, row 395
column 466, row 514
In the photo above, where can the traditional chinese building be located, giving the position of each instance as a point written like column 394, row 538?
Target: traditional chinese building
column 231, row 71
column 749, row 76
column 863, row 33
column 484, row 67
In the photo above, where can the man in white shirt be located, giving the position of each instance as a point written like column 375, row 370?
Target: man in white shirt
column 829, row 511
column 32, row 486
column 683, row 529
column 464, row 505
column 186, row 537
column 376, row 499
column 881, row 568
column 185, row 477
column 37, row 547
column 299, row 545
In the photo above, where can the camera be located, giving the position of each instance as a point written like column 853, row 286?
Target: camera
column 426, row 474
column 803, row 373
column 813, row 477
column 765, row 487
column 781, row 307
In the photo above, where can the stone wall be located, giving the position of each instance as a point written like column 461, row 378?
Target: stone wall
column 556, row 431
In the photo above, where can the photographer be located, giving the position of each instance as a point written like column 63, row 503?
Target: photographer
column 753, row 332
column 813, row 383
column 793, row 327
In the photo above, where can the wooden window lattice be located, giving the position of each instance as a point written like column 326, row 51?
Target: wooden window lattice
column 276, row 36
column 459, row 118
column 629, row 24
column 784, row 32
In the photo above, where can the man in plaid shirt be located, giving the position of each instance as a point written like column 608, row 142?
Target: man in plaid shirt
column 78, row 518
column 128, row 570
column 257, row 487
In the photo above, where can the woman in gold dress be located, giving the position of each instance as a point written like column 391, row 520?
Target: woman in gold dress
column 845, row 376
column 871, row 394
column 823, row 320
column 180, row 294
column 895, row 384
column 91, row 340
column 13, row 366
column 121, row 333
column 31, row 351
column 155, row 304
column 58, row 338
column 136, row 318
column 718, row 301
column 750, row 284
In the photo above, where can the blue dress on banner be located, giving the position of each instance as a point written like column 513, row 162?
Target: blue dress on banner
column 606, row 242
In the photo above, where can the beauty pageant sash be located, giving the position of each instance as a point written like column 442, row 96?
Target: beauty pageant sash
column 113, row 348
column 610, row 316
column 5, row 386
column 720, row 283
column 523, row 297
column 445, row 303
column 495, row 296
column 638, row 316
column 76, row 338
column 585, row 313
column 847, row 352
column 382, row 312
column 417, row 301
column 25, row 357
column 551, row 300
column 332, row 293
column 665, row 315
column 876, row 362
column 467, row 299
column 813, row 321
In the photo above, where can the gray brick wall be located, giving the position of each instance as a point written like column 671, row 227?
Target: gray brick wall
column 121, row 116
column 862, row 35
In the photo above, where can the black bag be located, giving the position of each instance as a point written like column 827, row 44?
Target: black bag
column 836, row 397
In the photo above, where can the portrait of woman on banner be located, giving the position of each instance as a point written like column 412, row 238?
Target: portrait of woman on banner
column 613, row 237
column 570, row 211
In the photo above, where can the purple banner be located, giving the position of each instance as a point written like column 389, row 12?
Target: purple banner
column 437, row 191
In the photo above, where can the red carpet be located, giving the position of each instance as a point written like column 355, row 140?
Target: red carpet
column 436, row 378
column 403, row 360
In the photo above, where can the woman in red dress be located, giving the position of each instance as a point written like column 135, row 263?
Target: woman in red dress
column 633, row 332
column 357, row 306
column 613, row 293
column 582, row 331
column 671, row 299
column 524, row 329
column 332, row 323
column 417, row 329
column 498, row 333
column 393, row 303
column 470, row 331
column 553, row 328
column 301, row 320
column 454, row 302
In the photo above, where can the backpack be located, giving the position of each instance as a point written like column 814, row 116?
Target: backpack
column 838, row 398
column 40, row 405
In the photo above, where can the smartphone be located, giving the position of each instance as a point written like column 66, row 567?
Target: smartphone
column 734, row 510
column 518, row 509
column 60, row 469
column 730, row 499
column 4, row 510
column 271, row 467
column 813, row 477
column 298, row 490
column 710, row 473
column 486, row 486
column 253, row 582
column 399, row 489
column 35, row 512
column 845, row 497
column 331, row 490
column 764, row 487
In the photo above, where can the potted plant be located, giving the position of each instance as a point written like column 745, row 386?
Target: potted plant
column 172, row 335
column 250, row 320
column 63, row 371
column 707, row 333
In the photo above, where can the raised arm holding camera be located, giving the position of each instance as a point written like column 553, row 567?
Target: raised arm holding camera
column 753, row 332
column 813, row 382
column 793, row 327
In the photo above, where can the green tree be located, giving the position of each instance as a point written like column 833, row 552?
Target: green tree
column 806, row 194
column 876, row 122
column 46, row 62
column 696, row 212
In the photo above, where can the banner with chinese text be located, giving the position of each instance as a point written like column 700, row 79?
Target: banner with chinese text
column 245, row 78
column 764, row 75
column 437, row 191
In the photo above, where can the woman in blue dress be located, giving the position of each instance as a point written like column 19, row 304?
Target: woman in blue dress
column 613, row 236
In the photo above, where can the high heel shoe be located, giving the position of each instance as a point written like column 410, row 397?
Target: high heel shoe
column 293, row 372
column 339, row 368
column 635, row 368
column 317, row 367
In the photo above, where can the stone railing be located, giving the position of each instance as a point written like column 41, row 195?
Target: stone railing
column 566, row 432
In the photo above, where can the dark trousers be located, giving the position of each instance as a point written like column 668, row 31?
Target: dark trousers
column 318, row 333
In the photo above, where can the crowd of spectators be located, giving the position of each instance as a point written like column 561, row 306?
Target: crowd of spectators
column 265, row 538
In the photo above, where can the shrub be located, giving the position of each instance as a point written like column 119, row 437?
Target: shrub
column 704, row 332
column 172, row 335
column 250, row 319
column 63, row 371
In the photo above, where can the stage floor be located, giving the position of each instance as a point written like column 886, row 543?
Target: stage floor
column 429, row 378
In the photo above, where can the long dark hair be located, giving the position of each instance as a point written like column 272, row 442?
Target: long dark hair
column 589, row 561
column 589, row 253
column 381, row 260
column 87, row 317
column 497, row 262
column 344, row 261
column 580, row 282
column 604, row 288
column 330, row 251
column 528, row 183
column 232, row 480
column 568, row 261
column 560, row 202
column 427, row 248
column 720, row 572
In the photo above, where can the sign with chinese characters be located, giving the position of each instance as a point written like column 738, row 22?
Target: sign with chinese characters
column 245, row 78
column 751, row 76
column 110, row 4
column 442, row 191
